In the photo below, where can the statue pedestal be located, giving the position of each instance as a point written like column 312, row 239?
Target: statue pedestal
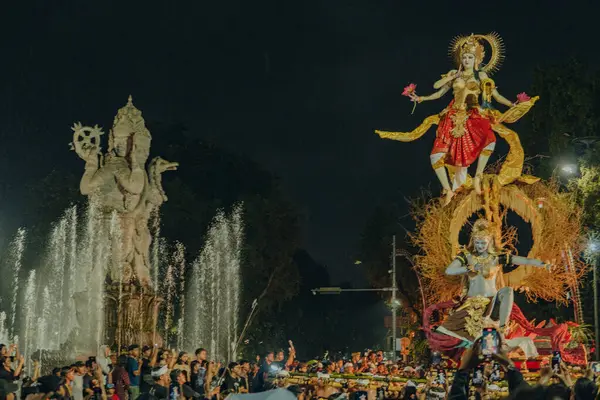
column 133, row 319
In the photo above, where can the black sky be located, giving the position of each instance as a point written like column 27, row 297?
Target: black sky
column 298, row 86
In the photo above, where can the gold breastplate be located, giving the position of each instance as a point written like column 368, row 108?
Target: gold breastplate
column 466, row 93
column 487, row 267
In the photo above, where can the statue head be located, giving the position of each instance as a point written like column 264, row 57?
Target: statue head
column 471, row 53
column 482, row 238
column 128, row 128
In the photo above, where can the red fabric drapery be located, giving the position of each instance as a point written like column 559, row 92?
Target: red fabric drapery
column 559, row 334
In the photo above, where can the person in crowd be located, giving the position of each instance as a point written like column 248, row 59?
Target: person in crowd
column 111, row 394
column 149, row 355
column 88, row 384
column 159, row 390
column 80, row 370
column 183, row 364
column 134, row 369
column 7, row 372
column 233, row 382
column 103, row 358
column 261, row 378
column 120, row 377
column 179, row 388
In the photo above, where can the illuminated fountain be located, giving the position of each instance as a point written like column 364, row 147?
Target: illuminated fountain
column 107, row 277
column 214, row 290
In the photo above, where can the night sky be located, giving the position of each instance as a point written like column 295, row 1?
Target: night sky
column 298, row 86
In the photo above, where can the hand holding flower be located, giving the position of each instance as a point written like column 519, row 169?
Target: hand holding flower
column 410, row 91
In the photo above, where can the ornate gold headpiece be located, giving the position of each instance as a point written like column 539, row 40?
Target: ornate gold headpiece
column 482, row 229
column 132, row 117
column 473, row 44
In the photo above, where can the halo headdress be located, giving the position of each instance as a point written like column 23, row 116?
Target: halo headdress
column 482, row 228
column 473, row 44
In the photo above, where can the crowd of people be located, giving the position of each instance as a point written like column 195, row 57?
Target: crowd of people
column 151, row 373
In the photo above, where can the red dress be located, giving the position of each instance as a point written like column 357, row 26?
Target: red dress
column 462, row 135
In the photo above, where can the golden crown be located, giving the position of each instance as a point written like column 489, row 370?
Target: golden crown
column 473, row 44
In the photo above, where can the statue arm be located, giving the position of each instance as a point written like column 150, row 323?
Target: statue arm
column 446, row 79
column 456, row 267
column 132, row 180
column 90, row 178
column 435, row 95
column 501, row 99
column 517, row 260
column 496, row 94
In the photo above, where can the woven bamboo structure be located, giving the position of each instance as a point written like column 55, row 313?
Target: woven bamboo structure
column 554, row 219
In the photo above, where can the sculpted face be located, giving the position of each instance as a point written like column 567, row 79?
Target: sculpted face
column 481, row 244
column 468, row 60
column 120, row 146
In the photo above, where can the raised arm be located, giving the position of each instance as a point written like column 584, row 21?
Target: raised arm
column 456, row 267
column 446, row 79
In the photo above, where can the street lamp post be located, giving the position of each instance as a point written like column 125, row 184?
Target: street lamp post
column 393, row 288
column 394, row 298
column 596, row 327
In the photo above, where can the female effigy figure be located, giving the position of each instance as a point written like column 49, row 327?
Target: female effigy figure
column 483, row 266
column 466, row 126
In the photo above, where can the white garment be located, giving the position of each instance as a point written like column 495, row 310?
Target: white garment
column 78, row 387
column 102, row 360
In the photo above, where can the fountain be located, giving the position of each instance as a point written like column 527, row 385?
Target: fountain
column 215, row 288
column 99, row 278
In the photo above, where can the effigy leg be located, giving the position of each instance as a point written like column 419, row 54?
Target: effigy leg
column 437, row 162
column 481, row 164
column 460, row 177
column 505, row 298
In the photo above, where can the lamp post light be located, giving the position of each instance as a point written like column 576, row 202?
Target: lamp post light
column 394, row 303
column 591, row 254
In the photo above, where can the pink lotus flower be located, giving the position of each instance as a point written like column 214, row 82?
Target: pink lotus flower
column 410, row 89
column 522, row 97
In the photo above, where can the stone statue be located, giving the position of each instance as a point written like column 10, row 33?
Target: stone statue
column 119, row 182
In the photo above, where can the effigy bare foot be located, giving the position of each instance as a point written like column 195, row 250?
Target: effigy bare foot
column 477, row 183
column 448, row 195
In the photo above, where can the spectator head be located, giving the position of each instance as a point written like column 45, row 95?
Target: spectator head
column 80, row 368
column 245, row 365
column 122, row 361
column 161, row 376
column 3, row 350
column 56, row 371
column 68, row 373
column 146, row 351
column 134, row 350
column 270, row 356
column 201, row 354
column 178, row 376
column 558, row 391
column 585, row 389
column 280, row 356
column 110, row 389
column 183, row 357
